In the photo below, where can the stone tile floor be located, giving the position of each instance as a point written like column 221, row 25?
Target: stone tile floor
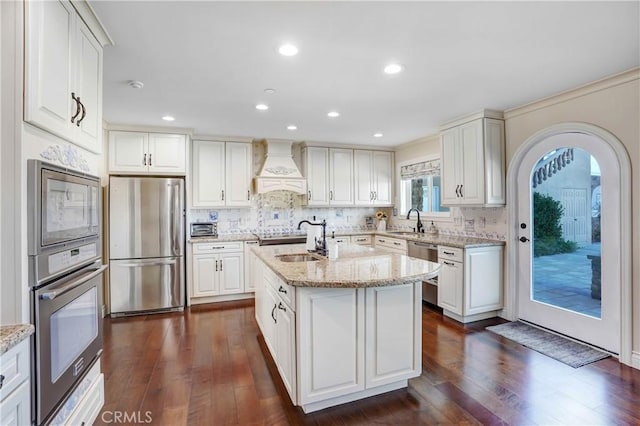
column 564, row 280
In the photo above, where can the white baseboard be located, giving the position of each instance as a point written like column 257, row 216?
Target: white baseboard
column 635, row 360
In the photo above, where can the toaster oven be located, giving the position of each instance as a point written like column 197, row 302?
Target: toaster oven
column 204, row 229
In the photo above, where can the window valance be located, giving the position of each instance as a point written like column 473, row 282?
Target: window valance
column 424, row 168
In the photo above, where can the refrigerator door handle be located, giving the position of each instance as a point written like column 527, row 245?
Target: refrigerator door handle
column 155, row 263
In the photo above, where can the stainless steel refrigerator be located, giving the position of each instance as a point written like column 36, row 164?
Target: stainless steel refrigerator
column 146, row 244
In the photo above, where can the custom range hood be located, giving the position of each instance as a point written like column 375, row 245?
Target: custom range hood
column 279, row 172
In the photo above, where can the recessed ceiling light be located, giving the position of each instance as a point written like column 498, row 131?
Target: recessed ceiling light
column 262, row 107
column 292, row 127
column 134, row 84
column 168, row 118
column 333, row 114
column 269, row 90
column 393, row 68
column 377, row 135
column 288, row 50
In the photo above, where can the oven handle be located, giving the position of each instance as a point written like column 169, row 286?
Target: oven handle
column 50, row 295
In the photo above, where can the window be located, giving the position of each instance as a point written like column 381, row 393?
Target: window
column 421, row 188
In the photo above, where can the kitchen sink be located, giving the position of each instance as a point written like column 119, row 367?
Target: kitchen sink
column 303, row 257
column 404, row 233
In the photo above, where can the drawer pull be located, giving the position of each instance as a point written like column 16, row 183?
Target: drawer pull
column 382, row 241
column 450, row 253
column 282, row 290
column 448, row 263
column 361, row 239
column 397, row 243
column 217, row 248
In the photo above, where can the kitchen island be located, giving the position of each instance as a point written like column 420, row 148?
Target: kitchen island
column 340, row 330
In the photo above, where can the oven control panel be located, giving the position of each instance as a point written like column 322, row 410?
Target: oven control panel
column 68, row 258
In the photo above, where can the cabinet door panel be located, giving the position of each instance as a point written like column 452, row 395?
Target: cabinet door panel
column 331, row 350
column 49, row 65
column 341, row 177
column 472, row 154
column 208, row 173
column 393, row 336
column 317, row 174
column 89, row 88
column 231, row 268
column 483, row 280
column 450, row 286
column 494, row 161
column 382, row 177
column 166, row 153
column 450, row 172
column 286, row 348
column 270, row 305
column 363, row 172
column 127, row 151
column 205, row 277
column 15, row 409
column 238, row 174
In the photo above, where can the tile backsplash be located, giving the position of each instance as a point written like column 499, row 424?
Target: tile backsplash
column 479, row 222
column 280, row 211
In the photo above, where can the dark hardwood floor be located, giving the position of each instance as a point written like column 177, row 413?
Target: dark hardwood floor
column 208, row 367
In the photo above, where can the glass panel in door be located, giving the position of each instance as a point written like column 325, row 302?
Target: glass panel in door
column 566, row 263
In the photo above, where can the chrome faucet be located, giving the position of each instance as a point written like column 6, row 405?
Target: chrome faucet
column 419, row 226
column 321, row 245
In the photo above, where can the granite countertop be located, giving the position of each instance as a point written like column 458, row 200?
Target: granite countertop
column 223, row 238
column 356, row 267
column 444, row 239
column 11, row 335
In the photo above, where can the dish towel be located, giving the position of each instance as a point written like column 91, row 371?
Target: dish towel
column 313, row 233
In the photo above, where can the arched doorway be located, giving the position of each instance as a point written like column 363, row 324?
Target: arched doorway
column 567, row 275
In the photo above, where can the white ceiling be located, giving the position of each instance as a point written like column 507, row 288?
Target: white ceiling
column 208, row 63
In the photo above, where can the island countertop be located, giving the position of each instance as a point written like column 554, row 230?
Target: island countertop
column 355, row 267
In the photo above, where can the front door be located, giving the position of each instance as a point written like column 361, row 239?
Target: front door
column 569, row 248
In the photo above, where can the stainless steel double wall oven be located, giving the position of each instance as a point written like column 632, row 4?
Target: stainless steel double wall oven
column 65, row 276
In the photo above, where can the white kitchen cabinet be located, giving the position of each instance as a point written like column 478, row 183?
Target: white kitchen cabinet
column 393, row 341
column 392, row 245
column 15, row 394
column 276, row 317
column 332, row 359
column 329, row 174
column 221, row 174
column 147, row 153
column 217, row 268
column 473, row 163
column 63, row 74
column 470, row 282
column 249, row 266
column 373, row 177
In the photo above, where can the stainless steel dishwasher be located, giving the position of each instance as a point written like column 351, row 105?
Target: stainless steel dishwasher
column 426, row 251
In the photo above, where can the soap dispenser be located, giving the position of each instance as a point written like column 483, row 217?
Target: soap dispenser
column 432, row 229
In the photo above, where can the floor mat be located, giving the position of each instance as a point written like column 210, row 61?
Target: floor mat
column 557, row 347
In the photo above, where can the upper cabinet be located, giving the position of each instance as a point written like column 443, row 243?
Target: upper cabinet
column 373, row 181
column 473, row 157
column 329, row 173
column 147, row 153
column 63, row 74
column 221, row 174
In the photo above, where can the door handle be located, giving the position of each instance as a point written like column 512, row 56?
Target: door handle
column 223, row 195
column 457, row 191
column 273, row 311
column 330, row 195
column 77, row 101
column 524, row 239
column 248, row 195
column 281, row 307
column 375, row 195
column 149, row 159
column 221, row 265
column 371, row 196
column 84, row 113
column 461, row 194
column 309, row 196
column 144, row 160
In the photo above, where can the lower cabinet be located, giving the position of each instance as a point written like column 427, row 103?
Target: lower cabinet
column 15, row 392
column 391, row 245
column 217, row 269
column 470, row 282
column 335, row 345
